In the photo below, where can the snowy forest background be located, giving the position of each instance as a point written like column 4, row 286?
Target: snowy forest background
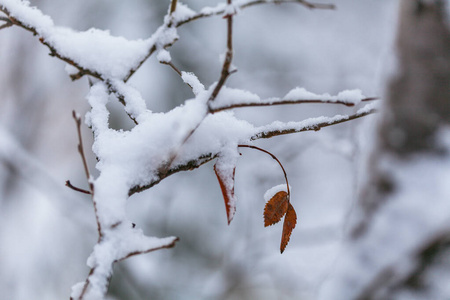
column 47, row 231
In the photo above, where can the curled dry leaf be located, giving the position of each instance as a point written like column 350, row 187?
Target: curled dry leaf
column 289, row 224
column 225, row 175
column 276, row 208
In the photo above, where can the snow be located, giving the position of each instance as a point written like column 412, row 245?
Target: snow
column 368, row 107
column 182, row 13
column 272, row 191
column 230, row 97
column 192, row 80
column 225, row 169
column 347, row 96
column 97, row 118
column 30, row 16
column 134, row 103
column 95, row 50
column 213, row 10
column 310, row 123
column 163, row 56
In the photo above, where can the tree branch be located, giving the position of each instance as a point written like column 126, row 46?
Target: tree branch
column 223, row 77
column 278, row 101
column 167, row 246
column 92, row 279
column 69, row 185
column 180, row 73
column 77, row 119
column 7, row 24
column 173, row 6
column 132, row 71
column 228, row 56
column 308, row 125
column 53, row 51
column 220, row 10
column 262, row 134
column 162, row 174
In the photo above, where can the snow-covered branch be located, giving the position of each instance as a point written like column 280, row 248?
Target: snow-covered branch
column 234, row 98
column 221, row 9
column 312, row 124
column 248, row 133
column 93, row 52
column 125, row 242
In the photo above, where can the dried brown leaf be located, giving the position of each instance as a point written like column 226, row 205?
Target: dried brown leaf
column 226, row 181
column 289, row 224
column 276, row 208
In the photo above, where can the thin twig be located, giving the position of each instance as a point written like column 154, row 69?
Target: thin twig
column 69, row 185
column 228, row 57
column 170, row 64
column 77, row 119
column 270, row 102
column 171, row 245
column 274, row 157
column 7, row 24
column 86, row 285
column 173, row 6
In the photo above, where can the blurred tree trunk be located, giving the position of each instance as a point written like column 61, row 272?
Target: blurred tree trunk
column 400, row 238
column 418, row 103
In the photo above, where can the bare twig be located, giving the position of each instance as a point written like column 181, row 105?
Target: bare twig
column 170, row 64
column 228, row 56
column 173, row 6
column 69, row 185
column 132, row 71
column 271, row 102
column 274, row 157
column 77, row 119
column 7, row 24
column 171, row 245
column 265, row 134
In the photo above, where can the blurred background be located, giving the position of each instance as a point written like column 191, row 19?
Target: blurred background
column 47, row 231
